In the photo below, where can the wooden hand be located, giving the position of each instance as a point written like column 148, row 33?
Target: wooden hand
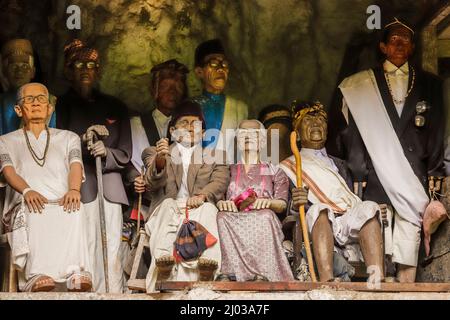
column 196, row 201
column 71, row 201
column 228, row 206
column 35, row 201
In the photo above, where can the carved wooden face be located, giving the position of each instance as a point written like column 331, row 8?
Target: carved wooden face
column 214, row 74
column 313, row 131
column 249, row 136
column 170, row 92
column 34, row 105
column 399, row 46
column 188, row 130
column 85, row 74
column 19, row 71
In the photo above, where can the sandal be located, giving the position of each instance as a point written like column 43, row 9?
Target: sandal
column 79, row 282
column 259, row 278
column 207, row 269
column 164, row 266
column 39, row 283
column 225, row 277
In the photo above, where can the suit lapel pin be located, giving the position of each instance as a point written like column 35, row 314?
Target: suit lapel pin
column 421, row 108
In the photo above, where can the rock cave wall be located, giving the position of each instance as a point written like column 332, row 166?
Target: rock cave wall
column 280, row 50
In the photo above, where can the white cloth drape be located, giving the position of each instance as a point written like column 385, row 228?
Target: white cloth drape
column 402, row 186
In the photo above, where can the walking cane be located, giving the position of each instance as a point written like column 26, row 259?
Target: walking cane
column 304, row 226
column 101, row 206
column 140, row 203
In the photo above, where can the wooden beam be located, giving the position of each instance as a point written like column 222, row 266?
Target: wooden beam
column 440, row 15
column 302, row 286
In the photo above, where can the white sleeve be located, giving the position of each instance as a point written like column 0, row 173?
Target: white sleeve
column 5, row 161
column 5, row 157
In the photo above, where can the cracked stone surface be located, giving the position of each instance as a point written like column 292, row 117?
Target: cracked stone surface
column 205, row 294
column 280, row 50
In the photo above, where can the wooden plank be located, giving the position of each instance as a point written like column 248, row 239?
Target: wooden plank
column 302, row 286
column 137, row 284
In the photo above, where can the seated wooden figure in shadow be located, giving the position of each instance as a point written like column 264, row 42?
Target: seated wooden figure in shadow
column 337, row 219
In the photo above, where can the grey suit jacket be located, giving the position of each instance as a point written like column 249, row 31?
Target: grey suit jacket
column 210, row 180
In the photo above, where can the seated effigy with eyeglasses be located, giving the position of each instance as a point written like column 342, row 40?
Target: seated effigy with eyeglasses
column 42, row 213
column 184, row 185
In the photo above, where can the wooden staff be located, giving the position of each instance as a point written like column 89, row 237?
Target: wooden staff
column 101, row 210
column 140, row 203
column 303, row 225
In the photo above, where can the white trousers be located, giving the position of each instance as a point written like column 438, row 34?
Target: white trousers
column 405, row 240
column 114, row 220
column 163, row 227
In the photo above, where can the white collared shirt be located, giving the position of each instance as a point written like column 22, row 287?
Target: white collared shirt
column 186, row 155
column 161, row 122
column 322, row 155
column 140, row 142
column 398, row 78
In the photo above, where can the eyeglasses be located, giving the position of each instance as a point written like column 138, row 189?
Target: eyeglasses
column 30, row 99
column 88, row 65
column 216, row 64
column 186, row 124
column 19, row 66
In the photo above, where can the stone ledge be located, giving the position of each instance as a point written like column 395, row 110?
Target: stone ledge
column 205, row 294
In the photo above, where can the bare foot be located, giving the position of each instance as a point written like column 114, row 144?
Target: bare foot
column 206, row 269
column 164, row 266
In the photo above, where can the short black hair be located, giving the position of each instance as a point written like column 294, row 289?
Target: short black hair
column 206, row 48
column 287, row 120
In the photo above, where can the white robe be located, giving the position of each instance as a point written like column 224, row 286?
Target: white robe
column 56, row 239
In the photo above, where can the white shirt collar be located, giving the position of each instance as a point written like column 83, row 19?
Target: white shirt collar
column 160, row 116
column 389, row 67
column 308, row 151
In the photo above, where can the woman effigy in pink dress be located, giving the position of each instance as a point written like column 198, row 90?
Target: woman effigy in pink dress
column 249, row 229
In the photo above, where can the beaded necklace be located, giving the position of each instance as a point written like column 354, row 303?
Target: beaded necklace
column 409, row 91
column 39, row 160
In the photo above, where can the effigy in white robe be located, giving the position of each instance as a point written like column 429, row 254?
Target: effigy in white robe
column 55, row 242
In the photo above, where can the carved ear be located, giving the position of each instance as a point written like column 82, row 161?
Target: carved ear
column 51, row 109
column 383, row 47
column 18, row 110
column 199, row 72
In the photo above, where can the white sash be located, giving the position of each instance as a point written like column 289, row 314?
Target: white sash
column 402, row 186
